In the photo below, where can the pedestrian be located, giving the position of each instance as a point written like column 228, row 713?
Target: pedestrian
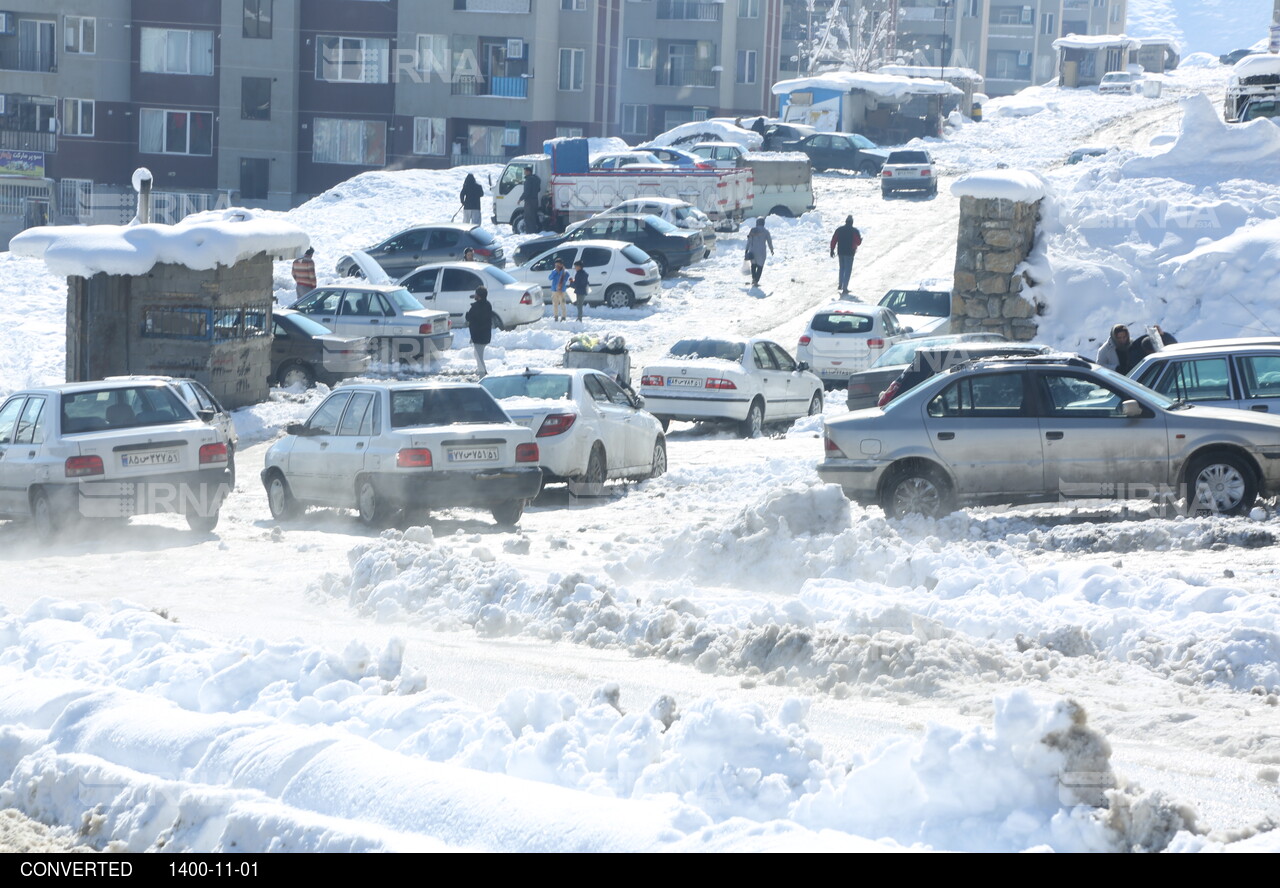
column 480, row 323
column 759, row 248
column 304, row 273
column 1117, row 353
column 530, row 196
column 759, row 127
column 559, row 283
column 470, row 198
column 468, row 255
column 580, row 285
column 844, row 246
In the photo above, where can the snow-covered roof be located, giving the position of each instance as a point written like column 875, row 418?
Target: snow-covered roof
column 1171, row 42
column 1259, row 64
column 1096, row 41
column 1020, row 185
column 882, row 86
column 200, row 241
column 918, row 71
column 724, row 130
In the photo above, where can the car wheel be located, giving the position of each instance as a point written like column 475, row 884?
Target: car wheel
column 885, row 192
column 933, row 192
column 619, row 296
column 664, row 268
column 1220, row 484
column 916, row 490
column 782, row 212
column 658, row 465
column 597, row 466
column 372, row 511
column 508, row 514
column 49, row 525
column 815, row 404
column 517, row 222
column 202, row 523
column 280, row 498
column 753, row 425
column 296, row 373
column 665, row 422
column 870, row 167
column 497, row 324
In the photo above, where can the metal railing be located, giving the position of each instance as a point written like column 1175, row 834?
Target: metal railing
column 44, row 62
column 22, row 140
column 687, row 77
column 475, row 159
column 689, row 11
column 506, row 87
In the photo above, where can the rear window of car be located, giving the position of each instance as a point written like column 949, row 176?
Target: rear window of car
column 480, row 236
column 708, row 348
column 426, row 407
column 499, row 275
column 403, row 300
column 661, row 225
column 908, row 157
column 841, row 322
column 934, row 303
column 548, row 386
column 304, row 324
column 98, row 410
column 634, row 253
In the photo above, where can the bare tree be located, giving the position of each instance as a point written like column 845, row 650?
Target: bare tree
column 852, row 36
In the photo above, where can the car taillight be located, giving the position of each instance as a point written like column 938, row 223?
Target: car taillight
column 860, row 388
column 831, row 449
column 213, row 453
column 875, row 343
column 414, row 458
column 556, row 424
column 652, row 380
column 637, row 271
column 527, row 298
column 926, row 172
column 889, row 394
column 704, row 166
column 805, row 340
column 82, row 466
column 886, row 173
column 723, row 384
column 526, row 453
column 482, row 251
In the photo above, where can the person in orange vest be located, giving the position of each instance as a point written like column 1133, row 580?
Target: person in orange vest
column 304, row 273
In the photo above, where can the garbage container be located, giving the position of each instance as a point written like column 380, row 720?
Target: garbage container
column 976, row 114
column 1151, row 88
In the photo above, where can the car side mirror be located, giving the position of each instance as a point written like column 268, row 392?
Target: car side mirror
column 802, row 366
column 637, row 401
column 206, row 414
column 908, row 329
column 1131, row 409
column 297, row 428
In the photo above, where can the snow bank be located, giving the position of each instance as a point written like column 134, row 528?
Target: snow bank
column 1233, row 149
column 883, row 86
column 200, row 241
column 1199, row 60
column 1259, row 65
column 1019, row 185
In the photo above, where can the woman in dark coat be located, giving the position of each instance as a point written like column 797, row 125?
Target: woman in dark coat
column 470, row 197
column 480, row 323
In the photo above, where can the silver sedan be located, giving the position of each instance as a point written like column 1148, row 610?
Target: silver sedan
column 1046, row 429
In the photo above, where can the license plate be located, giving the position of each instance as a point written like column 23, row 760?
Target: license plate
column 472, row 454
column 838, row 371
column 684, row 380
column 149, row 458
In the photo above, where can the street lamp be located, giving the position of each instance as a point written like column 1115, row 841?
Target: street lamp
column 944, row 47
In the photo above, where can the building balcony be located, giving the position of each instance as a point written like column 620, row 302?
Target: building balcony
column 503, row 87
column 1027, row 32
column 688, row 11
column 923, row 13
column 687, row 77
column 28, row 60
column 22, row 140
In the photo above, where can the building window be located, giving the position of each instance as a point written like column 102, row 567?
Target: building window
column 176, row 323
column 428, row 135
column 1047, row 21
column 77, row 117
column 169, row 51
column 433, row 55
column 1115, row 14
column 253, row 177
column 569, row 132
column 80, row 34
column 359, row 142
column 255, row 98
column 640, row 52
column 635, row 120
column 572, row 62
column 351, row 60
column 746, row 66
column 257, row 18
column 175, row 132
column 975, row 9
column 573, row 5
column 748, row 9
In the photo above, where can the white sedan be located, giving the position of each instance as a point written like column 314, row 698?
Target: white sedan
column 750, row 382
column 619, row 274
column 846, row 337
column 588, row 428
column 447, row 286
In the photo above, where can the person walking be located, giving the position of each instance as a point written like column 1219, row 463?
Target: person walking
column 844, row 246
column 304, row 273
column 559, row 278
column 470, row 198
column 480, row 323
column 759, row 248
column 580, row 285
column 529, row 197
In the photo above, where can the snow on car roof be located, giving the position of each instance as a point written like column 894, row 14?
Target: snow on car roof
column 1256, row 65
column 883, row 86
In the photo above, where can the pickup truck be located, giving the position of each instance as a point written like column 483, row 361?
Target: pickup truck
column 1254, row 77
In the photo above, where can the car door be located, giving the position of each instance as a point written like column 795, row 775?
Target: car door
column 1259, row 376
column 1204, row 380
column 422, row 284
column 800, row 389
column 308, row 473
column 613, row 418
column 402, row 253
column 201, row 399
column 12, row 472
column 772, row 381
column 1091, row 449
column 984, row 429
column 597, row 262
column 444, row 244
column 344, row 458
column 633, row 441
column 324, row 306
column 363, row 313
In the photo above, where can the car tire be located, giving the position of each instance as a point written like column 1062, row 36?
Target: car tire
column 664, row 421
column 885, row 192
column 295, row 372
column 753, row 425
column 664, row 267
column 48, row 523
column 782, row 212
column 815, row 404
column 933, row 192
column 658, row 465
column 517, row 222
column 496, row 323
column 597, row 470
column 1220, row 483
column 353, row 271
column 916, row 490
column 280, row 499
column 508, row 514
column 619, row 296
column 870, row 168
column 370, row 508
column 203, row 523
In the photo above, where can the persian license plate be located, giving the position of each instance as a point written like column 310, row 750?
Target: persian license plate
column 691, row 382
column 472, row 454
column 838, row 371
column 149, row 458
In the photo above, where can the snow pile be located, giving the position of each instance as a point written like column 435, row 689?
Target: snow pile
column 200, row 241
column 262, row 422
column 1233, row 149
column 1199, row 60
column 713, row 130
column 1019, row 185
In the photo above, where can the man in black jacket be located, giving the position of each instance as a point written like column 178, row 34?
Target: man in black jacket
column 480, row 323
column 530, row 196
column 844, row 245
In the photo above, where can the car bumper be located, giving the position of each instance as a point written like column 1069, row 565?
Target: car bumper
column 922, row 184
column 184, row 493
column 695, row 407
column 482, row 487
column 858, row 478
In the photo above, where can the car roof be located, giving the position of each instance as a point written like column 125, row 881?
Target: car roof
column 1048, row 359
column 1010, row 349
column 459, row 263
column 850, row 308
column 412, row 386
column 586, row 242
column 1219, row 344
column 428, row 226
column 710, row 144
column 120, row 382
column 358, row 284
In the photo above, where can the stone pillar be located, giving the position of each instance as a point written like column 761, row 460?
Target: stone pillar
column 996, row 234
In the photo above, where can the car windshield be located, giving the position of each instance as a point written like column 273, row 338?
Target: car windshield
column 841, row 322
column 903, row 352
column 482, row 237
column 634, row 253
column 934, row 303
column 547, row 386
column 908, row 157
column 661, row 225
column 305, row 324
column 709, row 348
column 862, row 141
column 98, row 410
column 1137, row 389
column 499, row 275
column 411, row 408
column 403, row 299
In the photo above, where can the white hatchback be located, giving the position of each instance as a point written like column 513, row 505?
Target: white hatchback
column 448, row 286
column 619, row 274
column 845, row 337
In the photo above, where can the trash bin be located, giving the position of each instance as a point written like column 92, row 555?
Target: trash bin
column 1151, row 88
column 976, row 115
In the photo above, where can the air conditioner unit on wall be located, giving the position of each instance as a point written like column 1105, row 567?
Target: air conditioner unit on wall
column 515, row 48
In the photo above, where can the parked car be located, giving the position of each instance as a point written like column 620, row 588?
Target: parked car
column 776, row 135
column 1040, row 429
column 619, row 274
column 938, row 358
column 385, row 450
column 679, row 213
column 403, row 332
column 841, row 151
column 671, row 247
column 908, row 170
column 304, row 351
column 865, row 387
column 108, row 449
column 628, row 160
column 926, row 312
column 1124, row 83
column 680, row 158
column 1257, row 109
column 204, row 405
column 448, row 286
column 845, row 337
column 403, row 252
column 721, row 155
column 1217, row 373
column 589, row 429
column 1234, row 56
column 747, row 382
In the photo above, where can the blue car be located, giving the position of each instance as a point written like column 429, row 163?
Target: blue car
column 683, row 159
